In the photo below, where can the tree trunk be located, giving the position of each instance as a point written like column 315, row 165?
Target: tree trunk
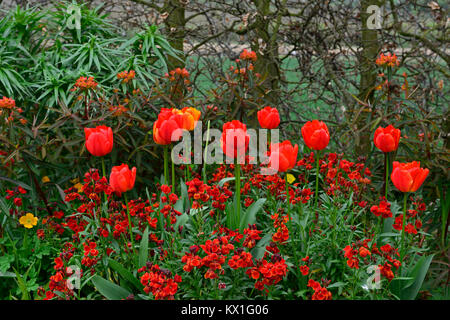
column 175, row 29
column 265, row 45
column 368, row 73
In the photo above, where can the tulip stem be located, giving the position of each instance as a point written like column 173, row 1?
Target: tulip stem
column 288, row 205
column 166, row 166
column 386, row 181
column 104, row 174
column 129, row 221
column 402, row 241
column 317, row 180
column 173, row 171
column 237, row 175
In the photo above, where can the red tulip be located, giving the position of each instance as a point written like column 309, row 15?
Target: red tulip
column 283, row 156
column 99, row 140
column 408, row 177
column 168, row 127
column 122, row 178
column 386, row 139
column 268, row 118
column 316, row 134
column 237, row 131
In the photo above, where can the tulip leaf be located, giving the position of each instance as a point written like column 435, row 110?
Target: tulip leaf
column 124, row 273
column 143, row 250
column 417, row 273
column 109, row 290
column 250, row 214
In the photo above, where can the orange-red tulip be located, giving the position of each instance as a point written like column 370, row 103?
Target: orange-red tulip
column 316, row 135
column 122, row 178
column 168, row 127
column 408, row 177
column 99, row 140
column 268, row 118
column 191, row 115
column 283, row 156
column 237, row 131
column 386, row 139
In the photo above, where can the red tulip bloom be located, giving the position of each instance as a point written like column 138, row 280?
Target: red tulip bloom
column 99, row 140
column 386, row 139
column 122, row 178
column 408, row 177
column 168, row 127
column 283, row 156
column 235, row 139
column 268, row 118
column 316, row 134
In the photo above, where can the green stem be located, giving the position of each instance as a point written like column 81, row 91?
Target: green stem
column 402, row 241
column 173, row 173
column 237, row 175
column 288, row 203
column 317, row 180
column 105, row 197
column 205, row 154
column 129, row 222
column 166, row 165
column 386, row 181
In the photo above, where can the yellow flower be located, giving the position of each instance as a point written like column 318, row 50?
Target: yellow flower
column 45, row 179
column 290, row 178
column 79, row 187
column 28, row 220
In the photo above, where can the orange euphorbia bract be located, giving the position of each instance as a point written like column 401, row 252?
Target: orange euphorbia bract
column 408, row 177
column 99, row 140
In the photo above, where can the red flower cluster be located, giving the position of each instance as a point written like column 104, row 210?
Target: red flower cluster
column 90, row 254
column 411, row 215
column 282, row 232
column 383, row 209
column 270, row 272
column 159, row 282
column 360, row 250
column 320, row 293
